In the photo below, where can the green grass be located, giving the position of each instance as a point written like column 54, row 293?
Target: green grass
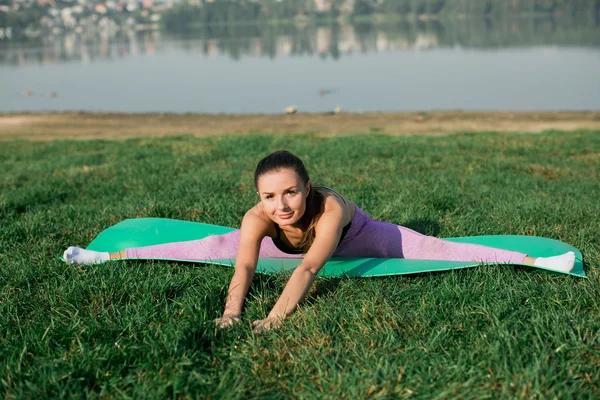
column 143, row 329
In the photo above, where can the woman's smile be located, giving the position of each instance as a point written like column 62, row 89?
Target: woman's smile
column 286, row 216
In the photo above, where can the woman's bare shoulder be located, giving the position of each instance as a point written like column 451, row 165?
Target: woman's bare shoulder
column 335, row 203
column 332, row 202
column 256, row 220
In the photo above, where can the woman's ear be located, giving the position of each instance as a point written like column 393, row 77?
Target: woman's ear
column 308, row 188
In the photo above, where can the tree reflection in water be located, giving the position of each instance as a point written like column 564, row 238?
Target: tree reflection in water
column 326, row 41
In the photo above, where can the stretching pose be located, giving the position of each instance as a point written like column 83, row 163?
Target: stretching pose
column 294, row 219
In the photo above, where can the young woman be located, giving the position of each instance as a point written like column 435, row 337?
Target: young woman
column 295, row 219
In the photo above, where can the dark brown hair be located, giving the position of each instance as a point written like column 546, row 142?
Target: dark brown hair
column 283, row 159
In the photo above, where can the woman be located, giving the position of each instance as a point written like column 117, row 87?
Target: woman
column 294, row 219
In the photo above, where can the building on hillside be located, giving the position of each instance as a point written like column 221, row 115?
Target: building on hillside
column 345, row 7
column 132, row 5
column 68, row 20
column 100, row 8
column 46, row 2
column 323, row 5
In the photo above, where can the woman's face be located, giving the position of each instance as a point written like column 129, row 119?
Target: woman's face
column 283, row 196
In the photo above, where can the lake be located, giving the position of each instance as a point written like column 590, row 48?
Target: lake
column 399, row 66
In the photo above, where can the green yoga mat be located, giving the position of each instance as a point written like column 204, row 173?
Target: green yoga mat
column 150, row 231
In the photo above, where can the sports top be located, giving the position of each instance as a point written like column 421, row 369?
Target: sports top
column 294, row 250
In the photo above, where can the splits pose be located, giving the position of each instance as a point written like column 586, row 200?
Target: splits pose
column 295, row 219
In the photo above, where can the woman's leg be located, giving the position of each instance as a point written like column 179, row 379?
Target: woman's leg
column 209, row 248
column 407, row 243
column 418, row 246
column 382, row 239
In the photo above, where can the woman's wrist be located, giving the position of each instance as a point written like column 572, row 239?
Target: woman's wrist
column 276, row 315
column 231, row 314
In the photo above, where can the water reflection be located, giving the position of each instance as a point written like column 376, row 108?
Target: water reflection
column 332, row 41
column 86, row 49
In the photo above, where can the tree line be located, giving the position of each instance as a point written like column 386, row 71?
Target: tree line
column 197, row 12
column 481, row 7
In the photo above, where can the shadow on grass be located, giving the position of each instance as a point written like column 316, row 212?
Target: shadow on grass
column 262, row 283
column 425, row 226
column 323, row 288
column 201, row 338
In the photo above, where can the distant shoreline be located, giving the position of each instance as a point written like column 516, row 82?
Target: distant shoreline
column 114, row 126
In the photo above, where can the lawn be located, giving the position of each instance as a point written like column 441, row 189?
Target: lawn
column 143, row 329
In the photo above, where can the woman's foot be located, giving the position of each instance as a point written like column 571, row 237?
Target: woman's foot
column 564, row 262
column 79, row 256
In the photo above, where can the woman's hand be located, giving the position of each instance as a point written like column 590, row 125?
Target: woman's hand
column 263, row 325
column 226, row 321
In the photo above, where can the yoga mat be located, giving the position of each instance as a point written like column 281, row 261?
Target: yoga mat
column 150, row 231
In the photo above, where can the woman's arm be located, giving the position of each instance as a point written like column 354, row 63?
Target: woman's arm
column 327, row 235
column 253, row 230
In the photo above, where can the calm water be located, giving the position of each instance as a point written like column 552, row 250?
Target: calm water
column 396, row 67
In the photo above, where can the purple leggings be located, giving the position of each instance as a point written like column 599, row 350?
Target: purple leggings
column 365, row 238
